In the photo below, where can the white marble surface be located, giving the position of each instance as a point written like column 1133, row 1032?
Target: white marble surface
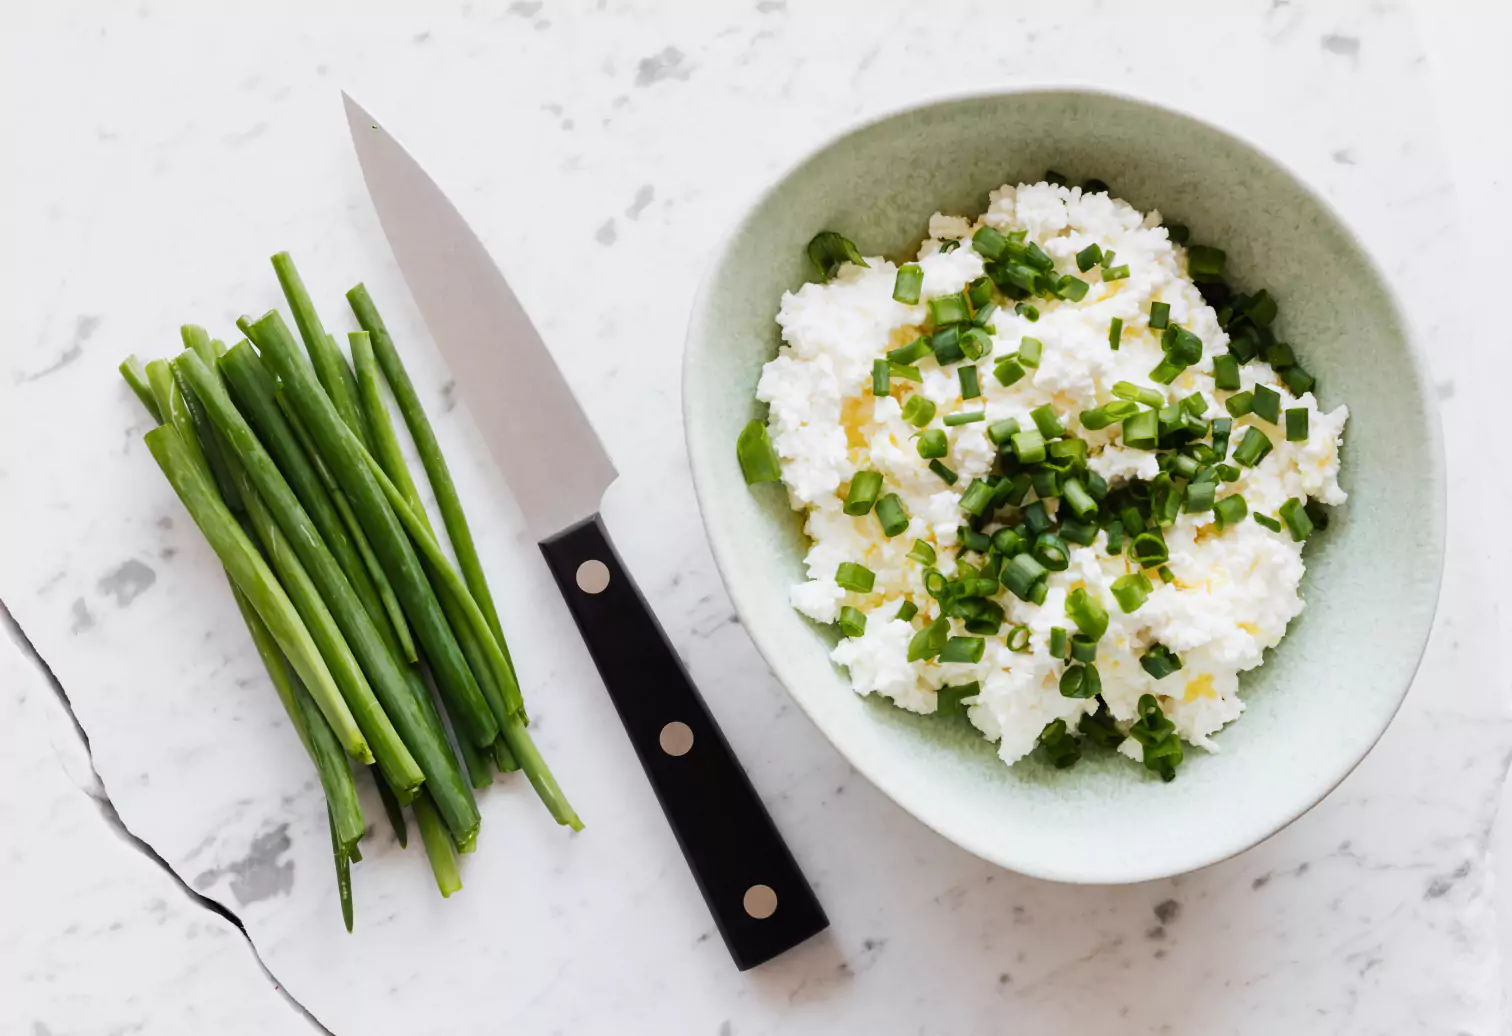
column 598, row 149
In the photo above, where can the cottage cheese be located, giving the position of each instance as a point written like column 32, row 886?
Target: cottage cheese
column 1234, row 592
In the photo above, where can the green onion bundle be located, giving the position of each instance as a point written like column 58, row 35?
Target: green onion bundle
column 289, row 463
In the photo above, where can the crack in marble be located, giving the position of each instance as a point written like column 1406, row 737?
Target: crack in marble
column 111, row 817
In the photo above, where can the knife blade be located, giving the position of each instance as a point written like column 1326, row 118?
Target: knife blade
column 761, row 903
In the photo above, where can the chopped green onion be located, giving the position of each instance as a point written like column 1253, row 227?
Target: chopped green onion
column 898, row 370
column 975, row 343
column 1037, row 519
column 1199, row 497
column 1012, row 490
column 758, row 460
column 1059, row 643
column 1071, row 288
column 1230, row 510
column 1228, row 472
column 970, row 387
column 946, row 345
column 1061, row 749
column 1252, row 448
column 1118, row 273
column 1115, row 537
column 1083, row 648
column 1165, row 573
column 1280, row 356
column 1142, row 430
column 1087, row 612
column 947, row 474
column 963, row 649
column 1296, row 424
column 828, row 250
column 1244, row 344
column 1108, row 257
column 922, row 552
column 932, row 443
column 1268, row 404
column 949, row 701
column 1074, row 450
column 1108, row 414
column 1131, row 591
column 1046, row 482
column 929, row 641
column 1007, row 371
column 881, row 377
column 1008, row 542
column 918, row 411
column 1028, row 311
column 1138, row 393
column 1029, row 446
column 1022, row 574
column 989, row 243
column 949, row 309
column 864, row 487
column 1160, row 315
column 914, row 350
column 891, row 514
column 1160, row 661
column 1018, row 639
column 977, row 497
column 1226, row 372
column 946, row 247
column 1239, row 404
column 1298, row 522
column 907, row 284
column 1261, row 308
column 973, row 540
column 1088, row 257
column 1267, row 521
column 1203, row 261
column 1177, row 233
column 935, row 584
column 1030, row 351
column 1115, row 333
column 1297, row 380
column 1047, row 422
column 1002, row 431
column 1077, row 496
column 852, row 621
column 1162, row 746
column 1037, row 257
column 964, row 417
column 851, row 576
column 1051, row 551
column 906, row 611
column 1081, row 681
column 1148, row 549
column 1165, row 372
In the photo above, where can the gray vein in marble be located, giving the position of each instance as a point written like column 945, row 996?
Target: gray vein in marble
column 258, row 875
column 666, row 64
column 127, row 581
column 1344, row 46
column 643, row 197
column 99, row 796
column 85, row 326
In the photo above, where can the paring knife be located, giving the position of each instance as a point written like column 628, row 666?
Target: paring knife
column 761, row 902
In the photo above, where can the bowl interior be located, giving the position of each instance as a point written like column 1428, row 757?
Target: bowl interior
column 1322, row 698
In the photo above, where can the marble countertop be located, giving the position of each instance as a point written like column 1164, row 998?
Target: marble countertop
column 159, row 155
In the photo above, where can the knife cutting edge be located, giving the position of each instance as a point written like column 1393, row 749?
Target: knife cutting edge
column 762, row 904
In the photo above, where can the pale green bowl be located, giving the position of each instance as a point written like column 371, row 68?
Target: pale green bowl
column 1324, row 696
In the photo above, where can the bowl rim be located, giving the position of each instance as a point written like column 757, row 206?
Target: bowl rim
column 724, row 550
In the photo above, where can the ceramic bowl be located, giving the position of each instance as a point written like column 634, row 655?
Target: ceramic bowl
column 1322, row 698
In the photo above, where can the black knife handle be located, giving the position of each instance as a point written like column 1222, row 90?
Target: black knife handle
column 741, row 864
